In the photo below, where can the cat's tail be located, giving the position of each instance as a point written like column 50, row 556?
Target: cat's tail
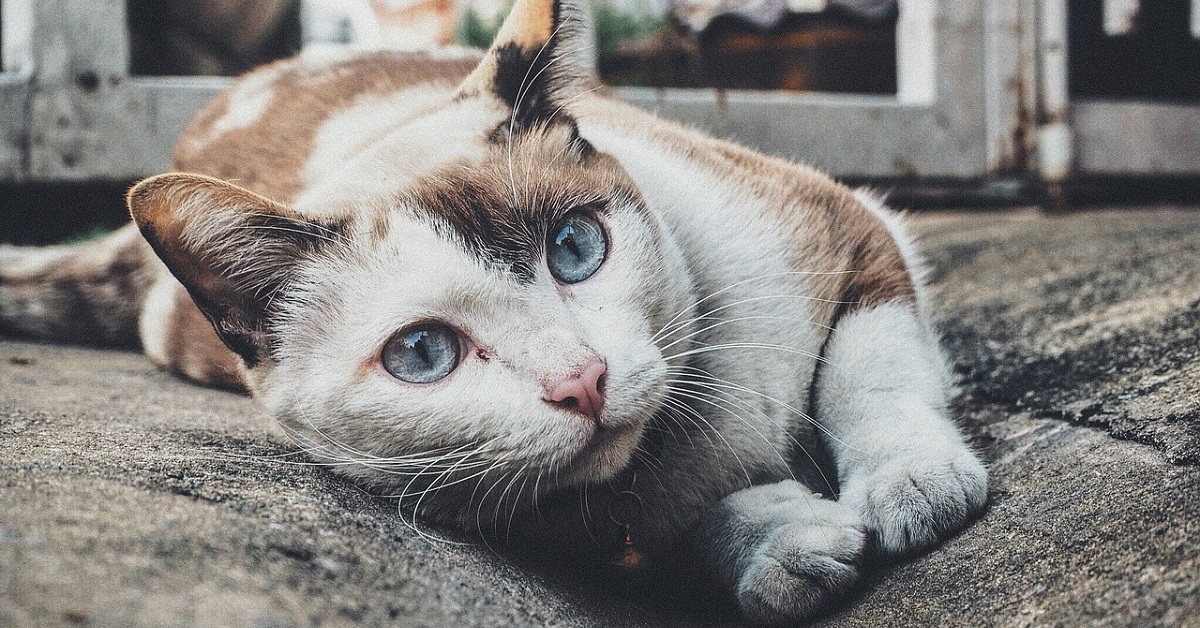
column 88, row 293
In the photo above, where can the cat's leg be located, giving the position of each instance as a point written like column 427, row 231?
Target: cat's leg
column 903, row 465
column 782, row 550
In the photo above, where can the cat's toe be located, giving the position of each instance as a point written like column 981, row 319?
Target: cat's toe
column 798, row 569
column 912, row 503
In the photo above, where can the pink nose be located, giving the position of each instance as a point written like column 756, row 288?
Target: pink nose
column 582, row 393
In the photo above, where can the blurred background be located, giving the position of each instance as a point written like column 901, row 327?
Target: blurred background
column 963, row 103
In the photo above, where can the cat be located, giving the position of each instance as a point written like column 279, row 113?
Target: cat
column 541, row 316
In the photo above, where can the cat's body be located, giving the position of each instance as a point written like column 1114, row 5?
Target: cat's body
column 545, row 316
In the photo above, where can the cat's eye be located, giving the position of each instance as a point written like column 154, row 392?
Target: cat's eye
column 575, row 247
column 422, row 353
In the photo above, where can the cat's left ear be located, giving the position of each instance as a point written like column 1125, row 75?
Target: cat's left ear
column 233, row 250
column 540, row 59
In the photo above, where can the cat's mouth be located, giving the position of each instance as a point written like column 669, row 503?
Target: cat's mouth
column 607, row 451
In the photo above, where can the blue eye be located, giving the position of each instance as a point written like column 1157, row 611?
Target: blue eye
column 575, row 248
column 422, row 353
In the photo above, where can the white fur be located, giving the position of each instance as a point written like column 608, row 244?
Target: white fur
column 156, row 311
column 786, row 552
column 347, row 132
column 356, row 162
column 742, row 258
column 904, row 466
column 248, row 102
column 531, row 334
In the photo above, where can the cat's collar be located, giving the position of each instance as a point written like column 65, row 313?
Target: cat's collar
column 625, row 508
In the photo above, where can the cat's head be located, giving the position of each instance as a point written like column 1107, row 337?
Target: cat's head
column 496, row 317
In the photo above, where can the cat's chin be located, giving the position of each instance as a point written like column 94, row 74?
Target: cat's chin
column 605, row 454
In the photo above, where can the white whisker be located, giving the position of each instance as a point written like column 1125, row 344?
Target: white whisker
column 744, row 345
column 721, row 322
column 674, row 319
column 698, row 415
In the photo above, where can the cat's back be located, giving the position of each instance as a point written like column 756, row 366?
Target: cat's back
column 265, row 130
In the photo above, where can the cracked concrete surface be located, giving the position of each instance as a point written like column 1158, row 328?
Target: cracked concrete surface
column 129, row 498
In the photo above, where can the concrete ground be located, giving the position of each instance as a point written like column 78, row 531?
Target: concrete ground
column 130, row 498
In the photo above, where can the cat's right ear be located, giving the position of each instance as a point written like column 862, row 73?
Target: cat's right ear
column 541, row 58
column 231, row 248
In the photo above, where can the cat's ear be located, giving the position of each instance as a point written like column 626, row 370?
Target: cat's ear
column 232, row 249
column 541, row 58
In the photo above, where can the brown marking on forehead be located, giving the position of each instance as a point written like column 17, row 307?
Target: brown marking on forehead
column 502, row 209
column 268, row 156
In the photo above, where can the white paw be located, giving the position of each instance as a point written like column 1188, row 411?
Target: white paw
column 912, row 502
column 808, row 556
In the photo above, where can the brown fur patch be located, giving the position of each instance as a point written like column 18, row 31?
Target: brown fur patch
column 202, row 227
column 268, row 156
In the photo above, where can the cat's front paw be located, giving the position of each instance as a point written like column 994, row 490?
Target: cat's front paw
column 806, row 558
column 913, row 501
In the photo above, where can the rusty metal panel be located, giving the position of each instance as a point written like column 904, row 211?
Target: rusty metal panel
column 158, row 110
column 1131, row 137
column 1136, row 138
column 88, row 119
column 1054, row 134
column 16, row 69
column 80, row 58
column 845, row 135
column 1010, row 83
column 982, row 90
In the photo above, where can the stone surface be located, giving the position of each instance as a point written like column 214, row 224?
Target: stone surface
column 129, row 498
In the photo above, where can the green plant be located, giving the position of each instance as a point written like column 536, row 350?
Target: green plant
column 475, row 31
column 613, row 27
column 95, row 233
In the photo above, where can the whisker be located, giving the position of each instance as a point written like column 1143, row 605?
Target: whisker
column 516, row 504
column 682, row 413
column 503, row 494
column 715, row 384
column 585, row 510
column 744, row 345
column 724, row 403
column 700, row 416
column 728, row 321
column 742, row 282
column 691, row 371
